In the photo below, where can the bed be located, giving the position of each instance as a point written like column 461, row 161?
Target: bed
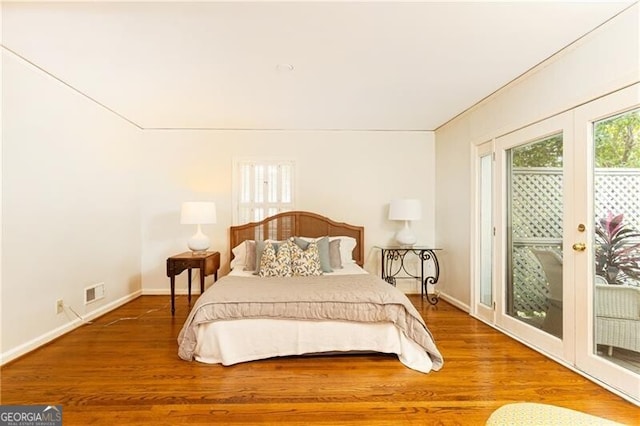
column 255, row 313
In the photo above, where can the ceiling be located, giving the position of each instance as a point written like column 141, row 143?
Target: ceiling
column 293, row 65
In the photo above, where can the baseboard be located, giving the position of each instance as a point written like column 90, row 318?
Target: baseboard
column 455, row 302
column 167, row 292
column 42, row 340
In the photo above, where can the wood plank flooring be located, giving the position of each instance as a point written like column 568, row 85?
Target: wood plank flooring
column 123, row 370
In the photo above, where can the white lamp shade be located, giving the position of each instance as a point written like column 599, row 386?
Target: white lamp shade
column 405, row 209
column 198, row 212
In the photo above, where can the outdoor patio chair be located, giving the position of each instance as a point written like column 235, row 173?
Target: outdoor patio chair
column 618, row 316
column 551, row 263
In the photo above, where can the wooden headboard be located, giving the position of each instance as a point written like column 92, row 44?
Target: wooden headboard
column 297, row 224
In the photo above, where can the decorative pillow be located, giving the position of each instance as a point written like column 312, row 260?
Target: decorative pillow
column 267, row 259
column 305, row 263
column 274, row 264
column 301, row 242
column 323, row 253
column 323, row 250
column 334, row 254
column 283, row 261
column 260, row 245
column 250, row 262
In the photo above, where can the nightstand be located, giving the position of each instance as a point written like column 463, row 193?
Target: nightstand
column 208, row 263
column 393, row 267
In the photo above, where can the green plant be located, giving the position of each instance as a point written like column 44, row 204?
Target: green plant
column 617, row 255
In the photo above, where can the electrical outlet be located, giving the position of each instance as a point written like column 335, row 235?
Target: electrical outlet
column 59, row 306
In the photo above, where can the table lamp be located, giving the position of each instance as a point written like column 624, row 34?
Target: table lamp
column 407, row 210
column 198, row 213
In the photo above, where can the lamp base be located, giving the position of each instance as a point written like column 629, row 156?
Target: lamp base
column 198, row 243
column 405, row 237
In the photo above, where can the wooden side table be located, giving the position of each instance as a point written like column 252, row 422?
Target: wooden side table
column 208, row 263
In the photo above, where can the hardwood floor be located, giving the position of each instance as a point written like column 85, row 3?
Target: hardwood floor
column 123, row 370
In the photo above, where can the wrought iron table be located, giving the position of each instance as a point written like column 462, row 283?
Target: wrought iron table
column 392, row 264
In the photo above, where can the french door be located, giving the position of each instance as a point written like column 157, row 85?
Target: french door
column 534, row 170
column 608, row 145
column 563, row 190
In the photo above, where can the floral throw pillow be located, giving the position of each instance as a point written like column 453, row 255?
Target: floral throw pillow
column 305, row 263
column 274, row 264
column 268, row 258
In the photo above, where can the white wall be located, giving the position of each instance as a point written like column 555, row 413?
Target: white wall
column 88, row 197
column 604, row 61
column 347, row 176
column 70, row 203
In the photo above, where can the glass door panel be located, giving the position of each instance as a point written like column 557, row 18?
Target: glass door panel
column 486, row 232
column 483, row 303
column 616, row 254
column 534, row 238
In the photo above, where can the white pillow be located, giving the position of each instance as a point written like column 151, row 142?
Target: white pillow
column 239, row 256
column 347, row 244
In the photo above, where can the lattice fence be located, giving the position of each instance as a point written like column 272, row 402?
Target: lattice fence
column 536, row 221
column 618, row 191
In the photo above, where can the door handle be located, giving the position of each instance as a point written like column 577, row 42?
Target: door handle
column 579, row 246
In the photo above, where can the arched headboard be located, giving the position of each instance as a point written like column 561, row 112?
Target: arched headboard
column 297, row 224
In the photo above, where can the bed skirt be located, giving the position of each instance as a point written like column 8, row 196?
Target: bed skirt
column 232, row 342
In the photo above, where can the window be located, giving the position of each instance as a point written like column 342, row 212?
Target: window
column 263, row 188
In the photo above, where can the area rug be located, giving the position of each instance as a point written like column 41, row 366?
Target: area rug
column 527, row 413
